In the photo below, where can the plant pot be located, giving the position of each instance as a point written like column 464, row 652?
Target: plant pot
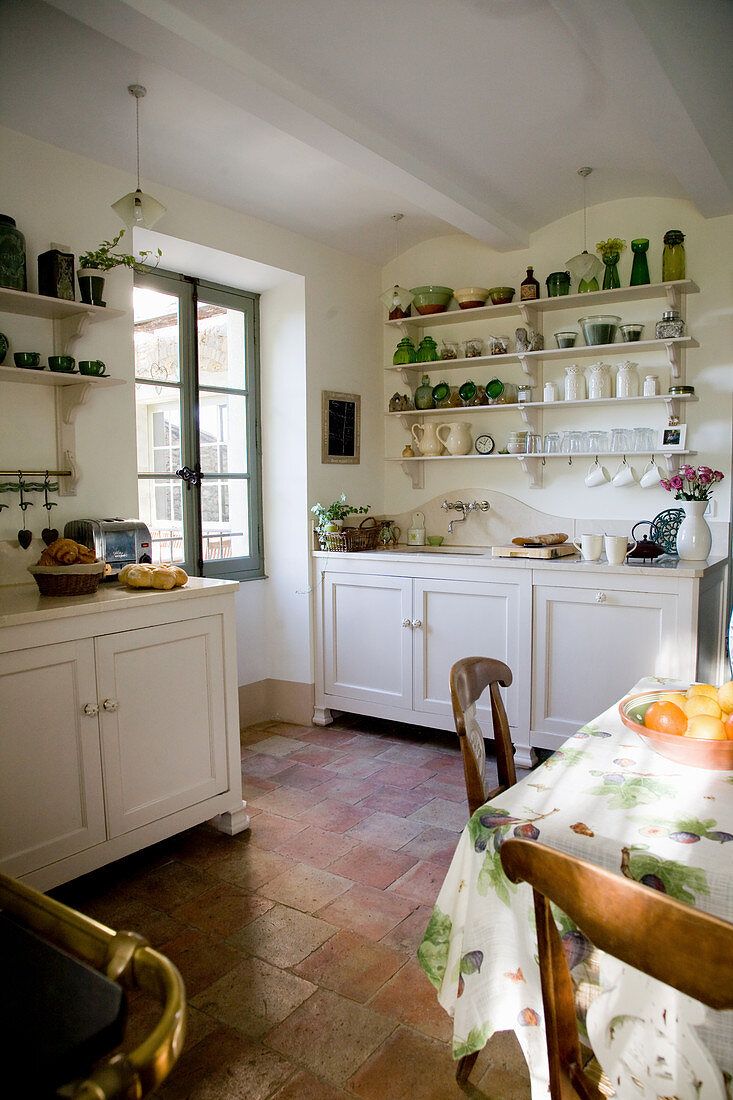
column 693, row 535
column 91, row 285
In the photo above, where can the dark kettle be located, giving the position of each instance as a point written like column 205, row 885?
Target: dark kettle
column 645, row 548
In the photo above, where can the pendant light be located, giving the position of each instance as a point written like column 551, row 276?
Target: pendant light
column 584, row 268
column 137, row 209
column 396, row 299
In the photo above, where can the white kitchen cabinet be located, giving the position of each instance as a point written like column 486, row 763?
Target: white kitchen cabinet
column 121, row 736
column 386, row 641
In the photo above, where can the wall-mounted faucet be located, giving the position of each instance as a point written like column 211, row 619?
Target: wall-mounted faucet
column 464, row 509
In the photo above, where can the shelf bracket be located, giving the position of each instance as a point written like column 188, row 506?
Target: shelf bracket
column 529, row 313
column 530, row 416
column 409, row 374
column 69, row 400
column 528, row 367
column 676, row 356
column 672, row 405
column 67, row 330
column 407, row 419
column 533, row 469
column 671, row 463
column 674, row 298
column 415, row 472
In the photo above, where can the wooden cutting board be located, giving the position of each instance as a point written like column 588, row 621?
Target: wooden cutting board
column 561, row 551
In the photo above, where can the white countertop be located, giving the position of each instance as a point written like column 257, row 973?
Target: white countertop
column 482, row 556
column 22, row 603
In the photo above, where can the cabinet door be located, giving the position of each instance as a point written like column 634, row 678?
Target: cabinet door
column 162, row 720
column 591, row 645
column 51, row 803
column 367, row 648
column 458, row 619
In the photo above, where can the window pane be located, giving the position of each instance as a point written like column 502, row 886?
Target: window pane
column 158, row 418
column 223, row 433
column 221, row 346
column 225, row 518
column 156, row 335
column 160, row 504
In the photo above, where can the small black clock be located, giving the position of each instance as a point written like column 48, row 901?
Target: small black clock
column 484, row 444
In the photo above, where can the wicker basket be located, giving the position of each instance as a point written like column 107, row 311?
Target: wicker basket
column 67, row 580
column 352, row 538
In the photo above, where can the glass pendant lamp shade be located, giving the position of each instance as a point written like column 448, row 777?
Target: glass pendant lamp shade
column 136, row 209
column 585, row 270
column 139, row 210
column 397, row 300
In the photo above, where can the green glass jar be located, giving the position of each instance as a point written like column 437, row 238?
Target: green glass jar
column 404, row 352
column 673, row 256
column 640, row 266
column 12, row 255
column 424, row 394
column 558, row 283
column 428, row 351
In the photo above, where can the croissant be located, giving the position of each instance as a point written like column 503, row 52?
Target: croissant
column 67, row 552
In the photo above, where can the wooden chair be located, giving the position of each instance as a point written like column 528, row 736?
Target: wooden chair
column 469, row 678
column 646, row 929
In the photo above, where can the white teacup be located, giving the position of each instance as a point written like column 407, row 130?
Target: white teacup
column 590, row 546
column 597, row 475
column 617, row 547
column 651, row 476
column 624, row 475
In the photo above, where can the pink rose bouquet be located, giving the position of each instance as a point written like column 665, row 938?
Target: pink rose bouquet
column 691, row 483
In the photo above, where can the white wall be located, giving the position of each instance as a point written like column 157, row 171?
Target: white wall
column 457, row 261
column 320, row 331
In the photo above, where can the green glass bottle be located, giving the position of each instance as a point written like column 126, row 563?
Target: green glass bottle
column 424, row 394
column 640, row 266
column 673, row 256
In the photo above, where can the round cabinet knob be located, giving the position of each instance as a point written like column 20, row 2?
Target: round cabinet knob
column 91, row 709
column 111, row 704
column 406, row 622
column 601, row 597
column 416, row 623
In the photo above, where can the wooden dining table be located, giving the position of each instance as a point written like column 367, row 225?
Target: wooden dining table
column 607, row 797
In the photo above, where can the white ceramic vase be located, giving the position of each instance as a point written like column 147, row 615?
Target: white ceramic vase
column 693, row 535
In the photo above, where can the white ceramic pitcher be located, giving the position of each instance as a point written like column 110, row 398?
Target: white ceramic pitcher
column 427, row 441
column 458, row 440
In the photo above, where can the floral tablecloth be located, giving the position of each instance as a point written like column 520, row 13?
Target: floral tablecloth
column 605, row 797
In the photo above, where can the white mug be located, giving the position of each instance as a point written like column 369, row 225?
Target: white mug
column 617, row 547
column 651, row 475
column 597, row 475
column 624, row 475
column 590, row 546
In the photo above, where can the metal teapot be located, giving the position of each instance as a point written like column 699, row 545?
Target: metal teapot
column 645, row 548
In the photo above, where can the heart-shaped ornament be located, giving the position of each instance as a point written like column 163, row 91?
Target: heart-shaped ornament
column 25, row 538
column 49, row 535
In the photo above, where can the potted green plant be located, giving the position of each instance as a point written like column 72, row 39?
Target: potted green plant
column 92, row 266
column 331, row 518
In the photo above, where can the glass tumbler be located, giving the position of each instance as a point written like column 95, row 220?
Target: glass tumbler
column 621, row 439
column 597, row 442
column 643, row 439
column 573, row 443
column 552, row 443
column 534, row 443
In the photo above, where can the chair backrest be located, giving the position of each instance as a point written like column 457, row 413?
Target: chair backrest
column 671, row 942
column 469, row 678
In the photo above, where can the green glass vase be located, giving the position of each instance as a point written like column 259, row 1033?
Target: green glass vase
column 587, row 284
column 640, row 265
column 610, row 275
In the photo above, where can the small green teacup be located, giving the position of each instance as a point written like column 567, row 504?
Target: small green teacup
column 435, row 540
column 92, row 366
column 27, row 358
column 62, row 363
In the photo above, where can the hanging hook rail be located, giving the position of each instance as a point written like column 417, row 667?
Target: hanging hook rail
column 35, row 473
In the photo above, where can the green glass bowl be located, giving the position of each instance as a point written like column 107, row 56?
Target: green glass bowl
column 431, row 299
column 501, row 295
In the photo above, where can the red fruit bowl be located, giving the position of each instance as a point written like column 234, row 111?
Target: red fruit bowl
column 695, row 752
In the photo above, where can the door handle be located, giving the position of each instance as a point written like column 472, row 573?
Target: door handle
column 406, row 622
column 111, row 704
column 601, row 597
column 416, row 624
column 91, row 710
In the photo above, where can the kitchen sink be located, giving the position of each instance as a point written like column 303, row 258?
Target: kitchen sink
column 477, row 551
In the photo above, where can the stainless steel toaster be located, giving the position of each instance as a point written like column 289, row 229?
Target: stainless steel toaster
column 119, row 542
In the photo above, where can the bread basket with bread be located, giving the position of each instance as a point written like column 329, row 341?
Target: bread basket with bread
column 67, row 568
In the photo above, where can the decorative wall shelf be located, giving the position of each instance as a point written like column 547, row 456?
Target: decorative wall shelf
column 70, row 320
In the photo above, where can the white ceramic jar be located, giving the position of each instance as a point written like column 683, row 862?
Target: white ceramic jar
column 651, row 385
column 599, row 381
column 627, row 380
column 574, row 383
column 549, row 393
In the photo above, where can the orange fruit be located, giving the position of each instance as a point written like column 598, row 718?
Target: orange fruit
column 675, row 697
column 728, row 723
column 703, row 689
column 725, row 697
column 706, row 728
column 702, row 704
column 665, row 717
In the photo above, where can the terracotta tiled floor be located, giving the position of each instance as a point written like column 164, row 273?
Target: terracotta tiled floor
column 297, row 939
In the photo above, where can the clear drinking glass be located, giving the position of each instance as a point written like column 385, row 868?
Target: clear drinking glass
column 573, row 443
column 597, row 442
column 621, row 439
column 534, row 443
column 643, row 439
column 552, row 443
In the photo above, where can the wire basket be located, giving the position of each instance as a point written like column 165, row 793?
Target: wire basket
column 67, row 580
column 351, row 538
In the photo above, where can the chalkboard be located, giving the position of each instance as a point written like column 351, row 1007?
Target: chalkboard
column 340, row 428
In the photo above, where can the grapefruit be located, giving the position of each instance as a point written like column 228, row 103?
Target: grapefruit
column 702, row 704
column 676, row 697
column 725, row 697
column 728, row 723
column 665, row 717
column 703, row 689
column 706, row 728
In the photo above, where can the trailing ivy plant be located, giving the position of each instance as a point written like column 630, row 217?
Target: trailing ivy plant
column 104, row 258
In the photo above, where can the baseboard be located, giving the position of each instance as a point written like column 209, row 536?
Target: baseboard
column 276, row 700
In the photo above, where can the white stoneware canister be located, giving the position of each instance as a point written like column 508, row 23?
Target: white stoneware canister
column 458, row 440
column 599, row 381
column 627, row 380
column 574, row 383
column 416, row 532
column 427, row 441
